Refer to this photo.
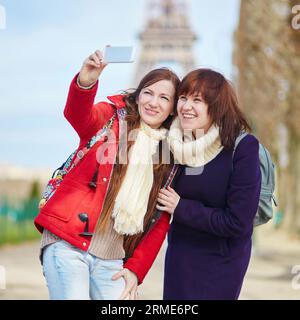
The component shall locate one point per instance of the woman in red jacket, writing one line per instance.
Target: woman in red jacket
(100, 211)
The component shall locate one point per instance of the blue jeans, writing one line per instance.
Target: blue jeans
(74, 274)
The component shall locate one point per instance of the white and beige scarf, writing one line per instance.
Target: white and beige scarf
(132, 199)
(190, 151)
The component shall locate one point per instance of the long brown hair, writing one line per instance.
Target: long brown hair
(218, 93)
(160, 170)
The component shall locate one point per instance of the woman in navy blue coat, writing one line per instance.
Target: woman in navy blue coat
(214, 197)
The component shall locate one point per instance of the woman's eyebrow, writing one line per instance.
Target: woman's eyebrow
(197, 95)
(165, 94)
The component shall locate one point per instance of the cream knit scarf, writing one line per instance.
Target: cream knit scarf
(194, 152)
(132, 199)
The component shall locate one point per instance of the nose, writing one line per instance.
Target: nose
(154, 102)
(187, 106)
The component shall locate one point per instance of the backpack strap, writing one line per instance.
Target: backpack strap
(238, 140)
(101, 133)
(77, 156)
(241, 136)
(59, 174)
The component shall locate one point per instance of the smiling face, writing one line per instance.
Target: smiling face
(155, 103)
(193, 112)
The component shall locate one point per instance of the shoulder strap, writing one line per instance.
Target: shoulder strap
(99, 134)
(77, 156)
(81, 153)
(171, 176)
(242, 135)
(238, 140)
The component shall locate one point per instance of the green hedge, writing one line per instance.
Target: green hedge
(16, 223)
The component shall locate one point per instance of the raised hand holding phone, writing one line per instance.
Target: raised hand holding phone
(91, 69)
(93, 66)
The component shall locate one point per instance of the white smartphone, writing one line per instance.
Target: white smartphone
(116, 54)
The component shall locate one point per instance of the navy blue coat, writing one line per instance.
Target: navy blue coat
(209, 242)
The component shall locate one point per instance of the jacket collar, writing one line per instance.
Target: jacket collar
(118, 100)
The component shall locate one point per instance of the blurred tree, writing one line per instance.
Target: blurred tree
(293, 116)
(267, 61)
(34, 191)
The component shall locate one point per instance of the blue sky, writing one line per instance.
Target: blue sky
(43, 46)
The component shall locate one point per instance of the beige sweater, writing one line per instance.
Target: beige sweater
(104, 245)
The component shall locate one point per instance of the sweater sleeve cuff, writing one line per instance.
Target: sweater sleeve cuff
(147, 250)
(78, 97)
(92, 89)
(133, 268)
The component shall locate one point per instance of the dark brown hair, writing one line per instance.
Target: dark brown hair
(218, 93)
(160, 170)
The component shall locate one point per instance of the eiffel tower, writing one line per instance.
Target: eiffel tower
(167, 40)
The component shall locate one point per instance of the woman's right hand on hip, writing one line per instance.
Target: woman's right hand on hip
(91, 69)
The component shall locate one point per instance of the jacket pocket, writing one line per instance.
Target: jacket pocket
(65, 200)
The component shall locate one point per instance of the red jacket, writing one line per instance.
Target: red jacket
(74, 196)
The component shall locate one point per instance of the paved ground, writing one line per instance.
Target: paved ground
(269, 276)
